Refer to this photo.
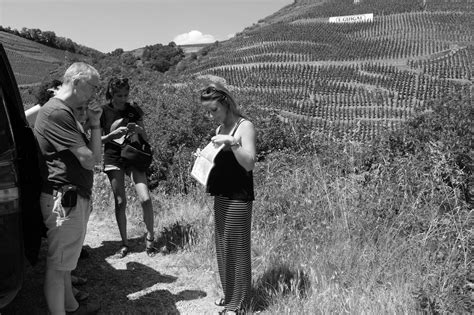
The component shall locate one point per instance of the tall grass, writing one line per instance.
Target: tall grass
(372, 246)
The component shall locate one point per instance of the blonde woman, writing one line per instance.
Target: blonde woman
(231, 184)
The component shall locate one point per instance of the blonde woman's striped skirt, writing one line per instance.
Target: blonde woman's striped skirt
(233, 222)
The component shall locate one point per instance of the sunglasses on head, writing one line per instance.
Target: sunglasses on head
(211, 91)
(120, 82)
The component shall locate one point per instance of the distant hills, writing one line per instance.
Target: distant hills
(360, 78)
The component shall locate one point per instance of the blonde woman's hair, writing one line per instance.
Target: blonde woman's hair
(216, 91)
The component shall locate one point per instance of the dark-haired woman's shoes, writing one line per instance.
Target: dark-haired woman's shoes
(123, 251)
(150, 248)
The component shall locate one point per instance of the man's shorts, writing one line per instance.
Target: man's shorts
(66, 230)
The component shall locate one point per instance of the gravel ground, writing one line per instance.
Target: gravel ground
(136, 284)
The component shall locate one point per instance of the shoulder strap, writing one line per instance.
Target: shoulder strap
(236, 126)
(138, 111)
(232, 132)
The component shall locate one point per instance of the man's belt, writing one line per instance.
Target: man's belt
(55, 190)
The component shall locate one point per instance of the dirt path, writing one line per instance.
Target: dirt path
(136, 284)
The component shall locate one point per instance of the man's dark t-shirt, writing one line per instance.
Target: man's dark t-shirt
(57, 131)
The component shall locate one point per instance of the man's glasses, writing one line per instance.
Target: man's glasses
(95, 87)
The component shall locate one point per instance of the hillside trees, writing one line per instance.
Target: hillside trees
(160, 58)
(116, 52)
(50, 39)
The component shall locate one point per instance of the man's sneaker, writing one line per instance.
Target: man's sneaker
(76, 280)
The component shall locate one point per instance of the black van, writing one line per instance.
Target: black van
(20, 215)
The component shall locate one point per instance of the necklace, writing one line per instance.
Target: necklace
(233, 126)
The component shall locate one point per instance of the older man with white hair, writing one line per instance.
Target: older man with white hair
(69, 158)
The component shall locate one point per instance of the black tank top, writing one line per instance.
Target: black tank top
(131, 113)
(228, 178)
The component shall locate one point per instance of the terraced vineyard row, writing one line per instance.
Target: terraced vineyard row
(458, 5)
(29, 70)
(318, 8)
(457, 64)
(389, 37)
(342, 96)
(348, 7)
(406, 84)
(339, 94)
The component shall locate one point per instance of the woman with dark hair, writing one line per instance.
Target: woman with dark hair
(45, 91)
(120, 118)
(231, 184)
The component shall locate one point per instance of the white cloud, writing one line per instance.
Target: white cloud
(229, 36)
(194, 37)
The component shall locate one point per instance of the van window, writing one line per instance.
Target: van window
(9, 194)
(6, 135)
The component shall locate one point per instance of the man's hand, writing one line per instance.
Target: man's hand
(94, 111)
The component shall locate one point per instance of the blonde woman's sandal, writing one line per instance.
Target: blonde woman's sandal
(219, 302)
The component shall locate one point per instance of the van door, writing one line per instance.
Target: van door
(11, 244)
(21, 224)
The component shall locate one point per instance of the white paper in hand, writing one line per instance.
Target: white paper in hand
(119, 140)
(205, 162)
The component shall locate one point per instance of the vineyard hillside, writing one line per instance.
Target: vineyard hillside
(33, 63)
(358, 78)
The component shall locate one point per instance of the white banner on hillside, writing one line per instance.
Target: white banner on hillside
(352, 18)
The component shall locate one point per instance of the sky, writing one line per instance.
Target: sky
(129, 24)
